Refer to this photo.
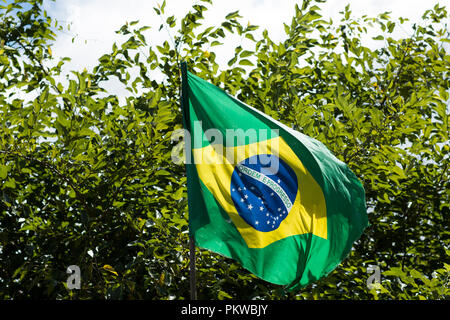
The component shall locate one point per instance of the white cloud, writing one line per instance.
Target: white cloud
(93, 22)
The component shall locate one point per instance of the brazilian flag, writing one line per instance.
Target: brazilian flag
(272, 198)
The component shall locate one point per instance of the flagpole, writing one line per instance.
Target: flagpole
(185, 108)
(193, 280)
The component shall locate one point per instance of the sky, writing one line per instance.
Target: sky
(93, 22)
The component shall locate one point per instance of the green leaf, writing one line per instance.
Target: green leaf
(72, 193)
(416, 274)
(62, 118)
(3, 171)
(110, 269)
(216, 43)
(223, 295)
(395, 271)
(118, 204)
(447, 267)
(233, 15)
(87, 132)
(245, 62)
(245, 54)
(10, 183)
(178, 194)
(250, 36)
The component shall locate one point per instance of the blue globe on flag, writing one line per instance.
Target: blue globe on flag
(263, 198)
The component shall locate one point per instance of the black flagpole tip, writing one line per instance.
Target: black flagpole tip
(183, 64)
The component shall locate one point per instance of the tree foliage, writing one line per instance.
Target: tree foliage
(86, 180)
